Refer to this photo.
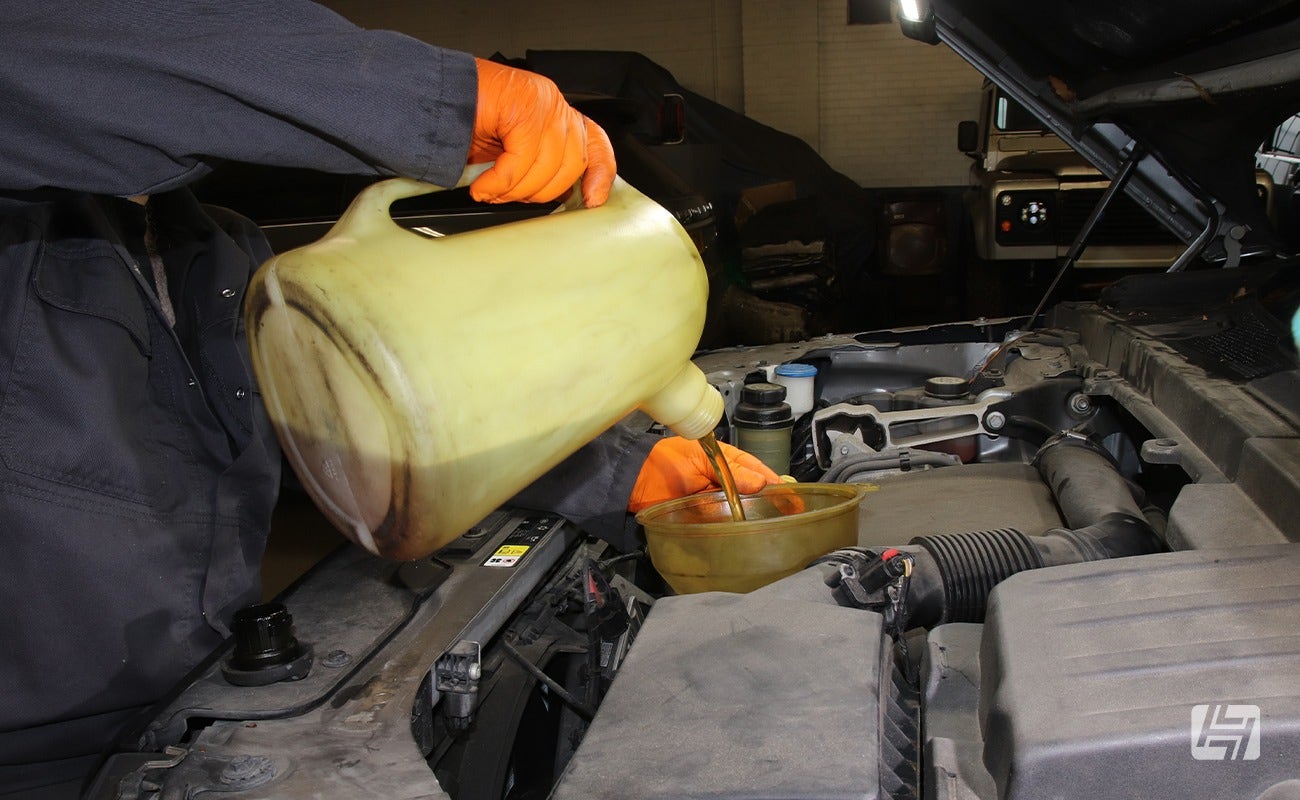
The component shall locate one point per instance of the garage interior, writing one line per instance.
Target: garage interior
(880, 110)
(878, 113)
(1073, 491)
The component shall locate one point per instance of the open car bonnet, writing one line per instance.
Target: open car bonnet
(1188, 89)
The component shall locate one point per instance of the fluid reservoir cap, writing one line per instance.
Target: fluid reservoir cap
(761, 405)
(762, 394)
(947, 387)
(796, 371)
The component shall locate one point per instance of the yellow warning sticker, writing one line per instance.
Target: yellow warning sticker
(507, 555)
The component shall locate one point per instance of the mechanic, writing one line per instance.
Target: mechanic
(138, 470)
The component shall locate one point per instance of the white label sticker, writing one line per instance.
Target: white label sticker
(507, 555)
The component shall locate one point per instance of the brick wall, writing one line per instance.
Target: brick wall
(880, 108)
(780, 46)
(890, 105)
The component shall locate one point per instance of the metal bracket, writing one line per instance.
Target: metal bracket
(182, 773)
(455, 677)
(907, 428)
(142, 781)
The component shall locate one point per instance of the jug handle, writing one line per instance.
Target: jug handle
(369, 213)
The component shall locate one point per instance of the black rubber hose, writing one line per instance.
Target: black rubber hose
(1084, 481)
(1105, 519)
(954, 573)
(849, 466)
(971, 564)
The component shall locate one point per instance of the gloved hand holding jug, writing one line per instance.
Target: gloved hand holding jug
(540, 144)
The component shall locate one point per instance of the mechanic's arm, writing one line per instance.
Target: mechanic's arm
(625, 469)
(137, 97)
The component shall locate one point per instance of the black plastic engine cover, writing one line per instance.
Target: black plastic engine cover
(775, 693)
(1168, 676)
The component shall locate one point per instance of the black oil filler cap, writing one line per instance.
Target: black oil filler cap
(266, 650)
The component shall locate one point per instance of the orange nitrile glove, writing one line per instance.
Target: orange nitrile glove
(677, 467)
(540, 143)
(785, 500)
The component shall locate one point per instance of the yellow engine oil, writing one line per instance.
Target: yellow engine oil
(417, 383)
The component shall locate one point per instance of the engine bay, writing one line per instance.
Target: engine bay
(1074, 577)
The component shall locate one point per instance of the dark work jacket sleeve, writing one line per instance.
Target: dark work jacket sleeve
(129, 97)
(591, 488)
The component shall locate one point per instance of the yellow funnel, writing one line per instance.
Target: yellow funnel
(417, 383)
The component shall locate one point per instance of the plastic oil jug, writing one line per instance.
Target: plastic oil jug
(417, 383)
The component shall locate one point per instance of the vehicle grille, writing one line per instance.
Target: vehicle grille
(1125, 222)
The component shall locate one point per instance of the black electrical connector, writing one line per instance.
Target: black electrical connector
(456, 675)
(874, 581)
(610, 626)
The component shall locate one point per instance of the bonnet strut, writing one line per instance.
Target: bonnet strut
(1127, 168)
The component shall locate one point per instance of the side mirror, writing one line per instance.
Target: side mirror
(672, 119)
(968, 136)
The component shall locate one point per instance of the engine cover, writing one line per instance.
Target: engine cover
(1166, 676)
(775, 693)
